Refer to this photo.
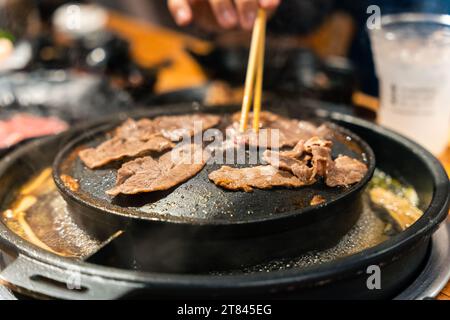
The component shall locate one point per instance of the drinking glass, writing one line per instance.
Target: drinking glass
(412, 61)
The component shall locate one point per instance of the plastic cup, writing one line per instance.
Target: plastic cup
(412, 60)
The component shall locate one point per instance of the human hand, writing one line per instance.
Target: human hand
(227, 13)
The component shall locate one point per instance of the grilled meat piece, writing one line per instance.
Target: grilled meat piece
(294, 161)
(176, 127)
(137, 138)
(345, 171)
(148, 174)
(321, 154)
(173, 128)
(118, 148)
(260, 177)
(265, 138)
(312, 159)
(142, 129)
(290, 131)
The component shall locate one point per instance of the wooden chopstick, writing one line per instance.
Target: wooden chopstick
(253, 62)
(259, 74)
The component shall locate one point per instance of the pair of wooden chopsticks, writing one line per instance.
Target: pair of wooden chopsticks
(255, 70)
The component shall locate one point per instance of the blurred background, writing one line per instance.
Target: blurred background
(72, 61)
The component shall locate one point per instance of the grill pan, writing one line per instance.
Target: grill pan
(206, 227)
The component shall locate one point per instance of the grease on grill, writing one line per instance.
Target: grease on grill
(70, 182)
(317, 199)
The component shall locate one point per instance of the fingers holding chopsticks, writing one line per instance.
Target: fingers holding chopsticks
(251, 14)
(227, 13)
(247, 10)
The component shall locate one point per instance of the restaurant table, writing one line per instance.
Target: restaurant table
(152, 44)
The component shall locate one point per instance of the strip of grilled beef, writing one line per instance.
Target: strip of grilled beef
(320, 151)
(118, 148)
(137, 138)
(173, 128)
(260, 177)
(142, 129)
(176, 127)
(312, 159)
(345, 171)
(290, 131)
(294, 161)
(148, 174)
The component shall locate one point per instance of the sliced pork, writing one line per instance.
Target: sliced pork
(260, 177)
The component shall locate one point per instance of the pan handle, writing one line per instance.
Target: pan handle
(43, 280)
